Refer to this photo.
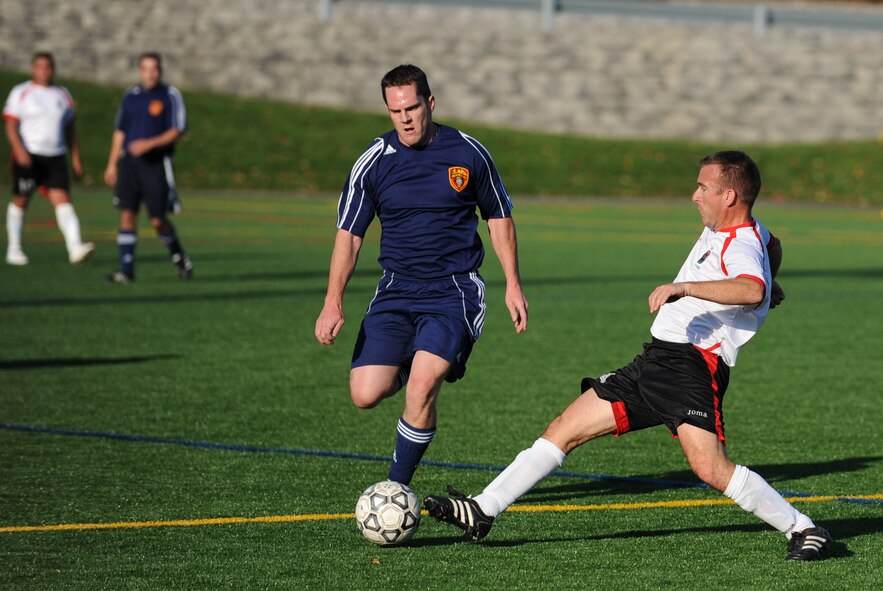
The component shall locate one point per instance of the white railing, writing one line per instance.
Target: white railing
(759, 15)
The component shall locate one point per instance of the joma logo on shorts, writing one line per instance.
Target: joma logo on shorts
(697, 413)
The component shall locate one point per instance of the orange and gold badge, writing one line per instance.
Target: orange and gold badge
(459, 177)
(155, 108)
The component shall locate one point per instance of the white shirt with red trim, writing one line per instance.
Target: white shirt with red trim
(740, 251)
(43, 113)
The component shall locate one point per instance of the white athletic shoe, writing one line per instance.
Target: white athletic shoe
(16, 257)
(81, 253)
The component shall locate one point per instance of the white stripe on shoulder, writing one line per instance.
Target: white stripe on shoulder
(496, 180)
(357, 174)
(179, 111)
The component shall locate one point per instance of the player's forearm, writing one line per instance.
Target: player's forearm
(344, 257)
(13, 137)
(116, 146)
(166, 138)
(740, 291)
(70, 136)
(505, 243)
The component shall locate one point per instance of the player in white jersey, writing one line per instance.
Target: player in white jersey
(717, 302)
(40, 128)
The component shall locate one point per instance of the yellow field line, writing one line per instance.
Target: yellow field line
(331, 516)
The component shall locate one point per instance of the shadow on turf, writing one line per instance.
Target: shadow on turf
(841, 529)
(849, 273)
(80, 361)
(686, 479)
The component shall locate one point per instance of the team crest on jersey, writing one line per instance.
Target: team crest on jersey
(459, 177)
(155, 108)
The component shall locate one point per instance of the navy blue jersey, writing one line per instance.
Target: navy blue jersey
(426, 200)
(148, 113)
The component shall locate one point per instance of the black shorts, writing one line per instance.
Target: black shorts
(146, 179)
(668, 384)
(45, 172)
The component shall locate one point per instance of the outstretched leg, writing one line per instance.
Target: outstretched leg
(708, 459)
(586, 418)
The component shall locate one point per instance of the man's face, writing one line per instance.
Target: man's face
(148, 71)
(41, 71)
(411, 114)
(711, 196)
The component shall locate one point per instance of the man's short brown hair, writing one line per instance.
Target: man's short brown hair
(738, 172)
(405, 75)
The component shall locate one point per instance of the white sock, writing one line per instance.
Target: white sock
(69, 224)
(526, 471)
(15, 220)
(755, 495)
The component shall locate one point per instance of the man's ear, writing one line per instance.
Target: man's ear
(731, 198)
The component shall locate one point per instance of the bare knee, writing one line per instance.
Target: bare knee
(565, 435)
(715, 472)
(159, 224)
(364, 397)
(127, 220)
(586, 418)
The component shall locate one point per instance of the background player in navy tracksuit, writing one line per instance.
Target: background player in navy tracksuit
(424, 181)
(151, 119)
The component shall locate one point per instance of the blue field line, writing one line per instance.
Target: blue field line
(239, 447)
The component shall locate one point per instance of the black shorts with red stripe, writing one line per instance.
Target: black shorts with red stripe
(668, 384)
(44, 173)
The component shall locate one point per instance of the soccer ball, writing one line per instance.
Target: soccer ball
(388, 513)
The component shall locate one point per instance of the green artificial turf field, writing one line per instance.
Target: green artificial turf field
(165, 401)
(248, 144)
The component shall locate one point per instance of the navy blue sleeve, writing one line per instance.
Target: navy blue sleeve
(493, 198)
(356, 208)
(122, 119)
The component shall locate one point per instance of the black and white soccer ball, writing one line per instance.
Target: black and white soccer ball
(388, 513)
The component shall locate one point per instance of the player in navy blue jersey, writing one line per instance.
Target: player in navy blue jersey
(424, 182)
(151, 119)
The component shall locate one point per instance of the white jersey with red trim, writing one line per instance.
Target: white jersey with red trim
(43, 113)
(740, 251)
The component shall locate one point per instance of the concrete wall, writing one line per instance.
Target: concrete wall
(603, 76)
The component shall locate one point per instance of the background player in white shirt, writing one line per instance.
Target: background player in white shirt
(718, 301)
(40, 128)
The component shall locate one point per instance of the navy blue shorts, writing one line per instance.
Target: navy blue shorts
(147, 179)
(442, 317)
(669, 384)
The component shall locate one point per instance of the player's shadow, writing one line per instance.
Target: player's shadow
(125, 299)
(14, 364)
(876, 273)
(841, 529)
(606, 485)
(283, 276)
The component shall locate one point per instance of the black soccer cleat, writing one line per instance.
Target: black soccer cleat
(460, 511)
(120, 277)
(809, 544)
(184, 266)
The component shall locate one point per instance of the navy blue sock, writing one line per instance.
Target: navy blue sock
(410, 445)
(170, 239)
(127, 240)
